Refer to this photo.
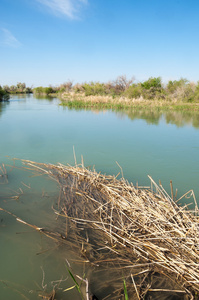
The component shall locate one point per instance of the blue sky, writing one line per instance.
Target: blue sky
(46, 42)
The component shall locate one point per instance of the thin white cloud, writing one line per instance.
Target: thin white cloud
(69, 8)
(8, 39)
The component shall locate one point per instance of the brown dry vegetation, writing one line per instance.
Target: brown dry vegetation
(123, 92)
(137, 233)
(73, 99)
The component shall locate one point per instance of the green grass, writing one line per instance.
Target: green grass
(89, 104)
(77, 286)
(76, 103)
(125, 291)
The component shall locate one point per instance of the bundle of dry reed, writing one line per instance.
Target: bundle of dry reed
(142, 230)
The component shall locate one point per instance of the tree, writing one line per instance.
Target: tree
(21, 87)
(122, 83)
(66, 86)
(152, 82)
(152, 88)
(3, 95)
(181, 90)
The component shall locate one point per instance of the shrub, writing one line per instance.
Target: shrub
(196, 94)
(3, 94)
(65, 87)
(134, 91)
(181, 90)
(38, 90)
(172, 86)
(20, 87)
(96, 88)
(152, 88)
(44, 90)
(48, 90)
(152, 82)
(78, 88)
(121, 84)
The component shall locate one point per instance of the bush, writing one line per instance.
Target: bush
(96, 88)
(152, 88)
(152, 82)
(172, 86)
(181, 90)
(134, 91)
(43, 90)
(78, 88)
(48, 90)
(20, 88)
(121, 84)
(65, 87)
(38, 90)
(3, 94)
(196, 94)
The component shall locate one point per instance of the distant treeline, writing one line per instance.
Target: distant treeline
(153, 88)
(20, 88)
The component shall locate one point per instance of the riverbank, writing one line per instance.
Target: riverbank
(80, 100)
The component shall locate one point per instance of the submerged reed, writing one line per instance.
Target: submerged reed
(141, 232)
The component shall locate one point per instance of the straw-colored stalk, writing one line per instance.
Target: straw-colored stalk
(139, 229)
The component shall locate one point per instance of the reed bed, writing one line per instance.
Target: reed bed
(141, 233)
(79, 100)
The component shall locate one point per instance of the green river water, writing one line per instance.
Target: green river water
(163, 145)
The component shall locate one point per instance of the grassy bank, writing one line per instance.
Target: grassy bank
(80, 100)
(123, 93)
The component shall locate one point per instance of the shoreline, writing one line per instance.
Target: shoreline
(79, 100)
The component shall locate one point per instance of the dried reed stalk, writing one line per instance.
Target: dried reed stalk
(115, 223)
(3, 175)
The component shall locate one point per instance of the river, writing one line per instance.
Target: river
(164, 145)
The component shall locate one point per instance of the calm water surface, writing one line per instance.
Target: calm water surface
(163, 145)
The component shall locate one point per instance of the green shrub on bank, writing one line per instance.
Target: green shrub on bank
(43, 90)
(152, 82)
(64, 87)
(134, 91)
(20, 88)
(182, 90)
(3, 94)
(94, 88)
(196, 95)
(152, 88)
(48, 90)
(112, 88)
(173, 86)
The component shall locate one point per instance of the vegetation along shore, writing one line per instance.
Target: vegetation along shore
(121, 93)
(20, 88)
(124, 93)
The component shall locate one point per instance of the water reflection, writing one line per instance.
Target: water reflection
(3, 106)
(151, 116)
(154, 116)
(20, 96)
(183, 118)
(44, 97)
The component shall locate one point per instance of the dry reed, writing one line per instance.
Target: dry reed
(107, 101)
(117, 225)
